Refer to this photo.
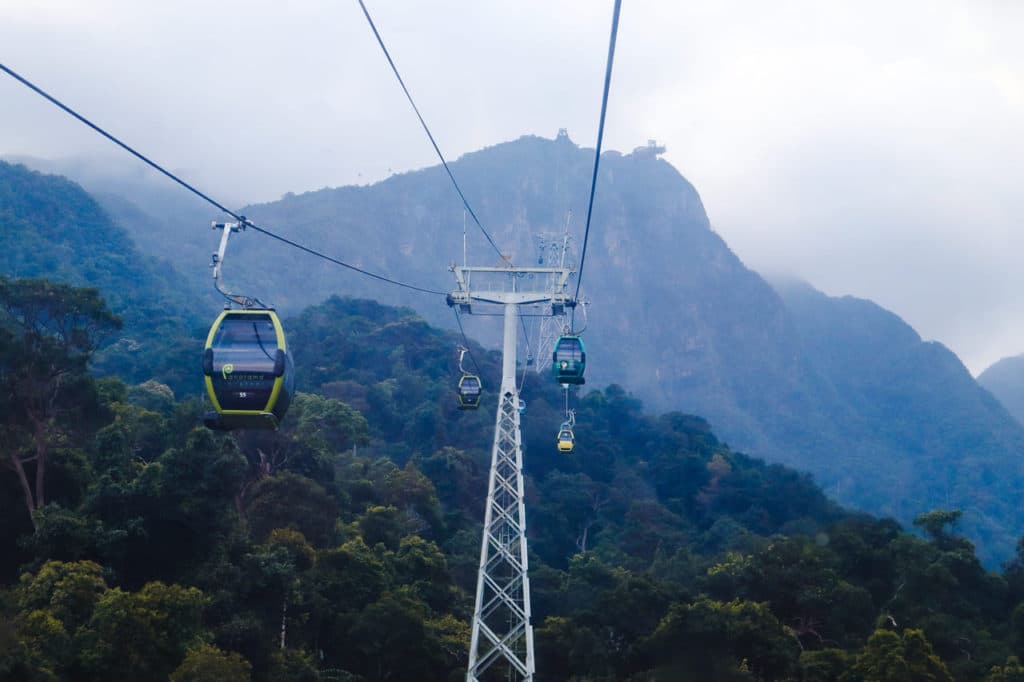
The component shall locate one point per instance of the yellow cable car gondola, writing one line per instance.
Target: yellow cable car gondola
(566, 440)
(248, 370)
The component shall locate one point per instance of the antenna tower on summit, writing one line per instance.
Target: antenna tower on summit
(502, 632)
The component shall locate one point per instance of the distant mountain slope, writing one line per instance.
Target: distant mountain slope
(165, 221)
(51, 228)
(847, 392)
(925, 433)
(843, 390)
(1005, 380)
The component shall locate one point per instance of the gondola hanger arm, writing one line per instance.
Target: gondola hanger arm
(217, 259)
(217, 262)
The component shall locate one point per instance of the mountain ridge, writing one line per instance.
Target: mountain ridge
(1005, 380)
(677, 317)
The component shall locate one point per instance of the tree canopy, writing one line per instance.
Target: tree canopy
(344, 546)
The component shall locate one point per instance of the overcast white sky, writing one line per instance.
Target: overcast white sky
(872, 148)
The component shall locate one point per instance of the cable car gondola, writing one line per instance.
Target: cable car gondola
(470, 386)
(248, 370)
(569, 360)
(566, 439)
(470, 389)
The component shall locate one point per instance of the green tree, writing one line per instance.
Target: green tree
(382, 525)
(934, 524)
(710, 639)
(288, 500)
(327, 424)
(421, 567)
(394, 641)
(343, 582)
(46, 641)
(185, 505)
(824, 665)
(412, 492)
(293, 665)
(1013, 671)
(153, 396)
(889, 657)
(209, 664)
(48, 332)
(274, 570)
(67, 591)
(566, 648)
(142, 635)
(573, 505)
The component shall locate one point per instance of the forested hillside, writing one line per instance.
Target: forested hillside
(138, 545)
(345, 545)
(884, 422)
(52, 228)
(934, 433)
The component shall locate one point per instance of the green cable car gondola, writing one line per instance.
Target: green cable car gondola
(570, 359)
(248, 370)
(470, 389)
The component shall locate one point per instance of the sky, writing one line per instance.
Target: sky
(872, 148)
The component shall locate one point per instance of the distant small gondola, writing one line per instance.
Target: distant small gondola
(570, 360)
(470, 389)
(566, 440)
(248, 370)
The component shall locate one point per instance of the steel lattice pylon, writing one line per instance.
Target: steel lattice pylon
(502, 632)
(501, 623)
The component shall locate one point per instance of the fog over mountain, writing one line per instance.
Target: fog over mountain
(870, 148)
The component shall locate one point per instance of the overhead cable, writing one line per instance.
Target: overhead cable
(241, 219)
(380, 41)
(529, 354)
(600, 136)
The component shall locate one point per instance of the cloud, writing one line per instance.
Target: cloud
(873, 148)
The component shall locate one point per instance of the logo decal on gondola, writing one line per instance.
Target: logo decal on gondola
(227, 369)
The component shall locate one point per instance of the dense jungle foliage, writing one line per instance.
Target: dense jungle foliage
(139, 546)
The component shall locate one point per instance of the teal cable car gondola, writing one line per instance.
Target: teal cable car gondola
(569, 360)
(248, 370)
(470, 389)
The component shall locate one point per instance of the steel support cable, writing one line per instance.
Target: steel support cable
(451, 176)
(597, 152)
(529, 354)
(465, 341)
(354, 268)
(241, 219)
